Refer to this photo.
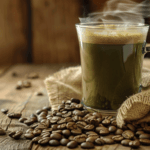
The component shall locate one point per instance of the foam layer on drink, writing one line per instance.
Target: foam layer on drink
(112, 35)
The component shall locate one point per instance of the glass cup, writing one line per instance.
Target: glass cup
(111, 60)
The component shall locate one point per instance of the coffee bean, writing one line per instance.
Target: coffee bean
(29, 121)
(145, 141)
(64, 141)
(112, 129)
(114, 123)
(61, 121)
(34, 125)
(119, 132)
(89, 127)
(14, 115)
(44, 140)
(99, 120)
(37, 132)
(91, 132)
(108, 117)
(72, 144)
(99, 141)
(29, 135)
(54, 142)
(59, 114)
(94, 122)
(98, 115)
(74, 100)
(26, 84)
(29, 131)
(106, 122)
(12, 133)
(81, 124)
(67, 114)
(69, 108)
(131, 127)
(68, 119)
(2, 132)
(104, 131)
(147, 129)
(93, 136)
(39, 111)
(36, 139)
(77, 131)
(128, 134)
(56, 136)
(39, 93)
(33, 116)
(57, 131)
(77, 118)
(66, 132)
(22, 119)
(117, 138)
(139, 133)
(144, 136)
(88, 115)
(18, 87)
(78, 113)
(71, 125)
(97, 129)
(14, 74)
(32, 75)
(125, 142)
(17, 134)
(108, 140)
(4, 110)
(54, 127)
(61, 126)
(41, 126)
(80, 138)
(79, 106)
(87, 145)
(61, 107)
(134, 144)
(71, 138)
(47, 130)
(91, 139)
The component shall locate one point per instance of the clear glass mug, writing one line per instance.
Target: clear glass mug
(111, 60)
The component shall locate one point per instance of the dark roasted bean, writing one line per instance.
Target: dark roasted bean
(71, 125)
(76, 131)
(106, 122)
(128, 134)
(79, 106)
(147, 129)
(14, 115)
(93, 136)
(61, 126)
(81, 124)
(78, 113)
(87, 145)
(131, 127)
(99, 141)
(119, 132)
(29, 135)
(74, 100)
(89, 127)
(54, 127)
(71, 138)
(77, 118)
(80, 138)
(98, 115)
(36, 139)
(37, 132)
(44, 140)
(2, 132)
(56, 136)
(91, 139)
(145, 141)
(139, 132)
(22, 119)
(72, 144)
(112, 129)
(29, 130)
(54, 142)
(94, 122)
(66, 132)
(104, 131)
(108, 140)
(134, 144)
(17, 134)
(64, 141)
(125, 142)
(117, 138)
(47, 108)
(67, 114)
(144, 136)
(57, 131)
(12, 133)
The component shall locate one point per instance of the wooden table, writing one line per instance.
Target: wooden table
(26, 102)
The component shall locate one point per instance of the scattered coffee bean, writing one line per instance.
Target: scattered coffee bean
(14, 74)
(12, 133)
(64, 141)
(79, 138)
(108, 140)
(125, 142)
(117, 138)
(44, 140)
(26, 84)
(22, 119)
(66, 133)
(145, 141)
(131, 127)
(128, 134)
(112, 129)
(89, 127)
(71, 125)
(32, 75)
(56, 136)
(139, 133)
(87, 145)
(99, 141)
(54, 142)
(39, 94)
(29, 135)
(134, 144)
(76, 131)
(144, 136)
(17, 134)
(147, 129)
(81, 124)
(72, 144)
(14, 115)
(119, 132)
(106, 122)
(36, 139)
(37, 132)
(91, 139)
(104, 131)
(4, 110)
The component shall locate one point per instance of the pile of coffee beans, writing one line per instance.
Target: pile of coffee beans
(72, 125)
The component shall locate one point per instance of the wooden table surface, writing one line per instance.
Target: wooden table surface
(26, 102)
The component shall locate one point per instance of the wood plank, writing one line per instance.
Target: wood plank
(14, 31)
(54, 33)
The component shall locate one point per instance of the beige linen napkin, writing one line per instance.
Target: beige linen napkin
(67, 83)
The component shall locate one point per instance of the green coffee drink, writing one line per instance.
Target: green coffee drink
(111, 62)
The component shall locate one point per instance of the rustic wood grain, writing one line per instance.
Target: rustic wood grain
(13, 31)
(26, 102)
(54, 33)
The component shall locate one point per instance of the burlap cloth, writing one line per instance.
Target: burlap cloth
(66, 84)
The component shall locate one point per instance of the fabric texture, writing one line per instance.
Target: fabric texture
(67, 83)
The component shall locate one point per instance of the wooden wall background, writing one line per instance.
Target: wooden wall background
(42, 31)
